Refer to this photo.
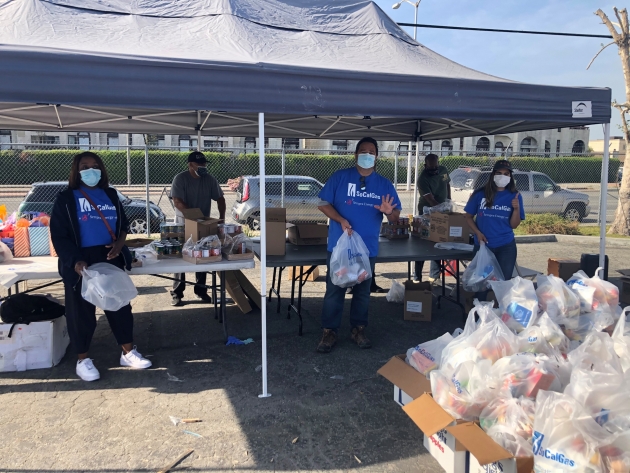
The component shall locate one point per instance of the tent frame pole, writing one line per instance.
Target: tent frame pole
(198, 130)
(603, 200)
(263, 251)
(146, 179)
(414, 204)
(283, 175)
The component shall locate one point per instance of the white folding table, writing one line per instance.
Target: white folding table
(45, 268)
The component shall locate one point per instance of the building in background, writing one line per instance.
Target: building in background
(617, 148)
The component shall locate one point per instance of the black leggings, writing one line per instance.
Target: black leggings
(80, 314)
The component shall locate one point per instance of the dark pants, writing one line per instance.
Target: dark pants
(434, 271)
(80, 314)
(506, 257)
(332, 310)
(180, 286)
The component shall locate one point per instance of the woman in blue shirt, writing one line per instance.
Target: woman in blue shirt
(81, 238)
(493, 213)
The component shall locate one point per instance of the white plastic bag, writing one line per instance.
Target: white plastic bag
(426, 356)
(596, 353)
(510, 423)
(107, 287)
(445, 208)
(517, 300)
(452, 245)
(621, 339)
(5, 253)
(543, 336)
(596, 295)
(562, 440)
(524, 374)
(147, 255)
(396, 293)
(481, 270)
(350, 261)
(555, 298)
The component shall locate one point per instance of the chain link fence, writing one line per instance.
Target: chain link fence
(31, 176)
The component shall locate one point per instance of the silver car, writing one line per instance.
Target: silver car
(539, 193)
(300, 199)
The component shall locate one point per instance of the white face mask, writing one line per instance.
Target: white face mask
(502, 181)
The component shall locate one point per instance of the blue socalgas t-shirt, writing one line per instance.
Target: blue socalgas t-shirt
(343, 192)
(92, 228)
(494, 223)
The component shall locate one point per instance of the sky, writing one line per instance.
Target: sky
(534, 59)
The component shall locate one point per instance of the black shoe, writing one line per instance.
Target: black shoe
(377, 289)
(204, 297)
(176, 300)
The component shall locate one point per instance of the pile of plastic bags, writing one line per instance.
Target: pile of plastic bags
(546, 374)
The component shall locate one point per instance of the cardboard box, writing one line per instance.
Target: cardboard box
(449, 227)
(509, 465)
(199, 226)
(447, 451)
(236, 292)
(308, 234)
(34, 346)
(276, 231)
(248, 288)
(311, 277)
(418, 301)
(624, 289)
(562, 268)
(209, 259)
(431, 419)
(138, 242)
(238, 256)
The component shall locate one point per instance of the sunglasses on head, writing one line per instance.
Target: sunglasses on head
(362, 180)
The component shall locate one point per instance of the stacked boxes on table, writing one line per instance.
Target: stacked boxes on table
(396, 230)
(441, 227)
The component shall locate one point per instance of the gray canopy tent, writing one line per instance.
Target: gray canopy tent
(280, 68)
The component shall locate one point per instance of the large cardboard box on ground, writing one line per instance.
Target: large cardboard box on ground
(308, 234)
(562, 268)
(431, 419)
(418, 301)
(311, 277)
(449, 227)
(248, 288)
(624, 290)
(197, 225)
(236, 292)
(33, 346)
(276, 231)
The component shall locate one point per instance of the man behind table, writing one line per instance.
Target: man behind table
(355, 200)
(191, 189)
(434, 189)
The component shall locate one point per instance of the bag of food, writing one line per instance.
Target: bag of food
(621, 339)
(555, 298)
(107, 287)
(599, 295)
(211, 246)
(241, 244)
(597, 353)
(5, 253)
(510, 422)
(482, 269)
(146, 254)
(524, 374)
(188, 247)
(543, 336)
(396, 293)
(426, 356)
(517, 300)
(350, 261)
(562, 440)
(444, 208)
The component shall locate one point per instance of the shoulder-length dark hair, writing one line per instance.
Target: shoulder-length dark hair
(74, 182)
(490, 189)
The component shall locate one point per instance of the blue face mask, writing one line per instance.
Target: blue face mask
(366, 160)
(90, 177)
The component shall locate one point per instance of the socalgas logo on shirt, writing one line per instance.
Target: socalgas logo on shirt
(85, 206)
(482, 206)
(352, 192)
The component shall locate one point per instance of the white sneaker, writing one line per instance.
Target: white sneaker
(87, 371)
(135, 360)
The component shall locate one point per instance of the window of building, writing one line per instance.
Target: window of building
(213, 144)
(483, 144)
(186, 143)
(557, 146)
(461, 143)
(446, 147)
(5, 139)
(291, 143)
(44, 140)
(499, 147)
(81, 140)
(340, 145)
(250, 142)
(403, 147)
(547, 147)
(529, 145)
(578, 147)
(158, 141)
(112, 140)
(427, 146)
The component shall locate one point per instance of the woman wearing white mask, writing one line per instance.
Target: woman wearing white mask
(493, 212)
(355, 199)
(87, 226)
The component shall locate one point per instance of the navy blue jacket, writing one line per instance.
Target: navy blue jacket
(65, 236)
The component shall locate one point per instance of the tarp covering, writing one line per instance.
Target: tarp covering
(316, 68)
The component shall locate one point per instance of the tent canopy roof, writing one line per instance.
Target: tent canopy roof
(318, 70)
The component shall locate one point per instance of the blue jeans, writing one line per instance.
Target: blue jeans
(332, 310)
(506, 257)
(434, 270)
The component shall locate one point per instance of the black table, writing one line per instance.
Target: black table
(389, 251)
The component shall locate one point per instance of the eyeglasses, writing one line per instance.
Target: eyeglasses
(362, 183)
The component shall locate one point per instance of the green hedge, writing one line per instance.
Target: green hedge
(25, 167)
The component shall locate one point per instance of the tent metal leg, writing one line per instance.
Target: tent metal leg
(603, 200)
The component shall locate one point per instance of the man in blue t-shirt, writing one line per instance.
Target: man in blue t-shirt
(355, 200)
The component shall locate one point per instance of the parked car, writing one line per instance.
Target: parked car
(42, 196)
(300, 199)
(540, 194)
